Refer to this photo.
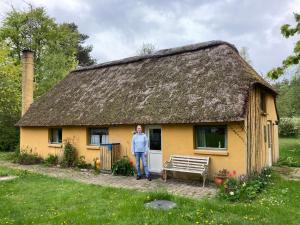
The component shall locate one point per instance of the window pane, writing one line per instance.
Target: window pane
(95, 139)
(98, 136)
(211, 137)
(155, 139)
(56, 135)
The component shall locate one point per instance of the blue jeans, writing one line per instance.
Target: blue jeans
(138, 156)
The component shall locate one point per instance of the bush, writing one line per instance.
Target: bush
(9, 134)
(123, 167)
(245, 188)
(28, 158)
(81, 163)
(51, 160)
(70, 155)
(288, 127)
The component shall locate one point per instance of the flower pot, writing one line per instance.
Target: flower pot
(219, 180)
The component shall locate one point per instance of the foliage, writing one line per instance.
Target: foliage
(69, 156)
(123, 167)
(288, 31)
(245, 188)
(51, 160)
(83, 52)
(146, 49)
(289, 154)
(10, 100)
(288, 103)
(223, 173)
(56, 46)
(82, 164)
(288, 127)
(26, 157)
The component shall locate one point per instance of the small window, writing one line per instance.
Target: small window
(211, 137)
(98, 136)
(55, 135)
(263, 102)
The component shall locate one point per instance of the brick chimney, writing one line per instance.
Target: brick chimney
(27, 80)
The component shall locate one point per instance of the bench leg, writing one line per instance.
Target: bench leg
(204, 179)
(165, 171)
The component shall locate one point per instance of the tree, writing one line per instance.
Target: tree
(288, 103)
(288, 31)
(83, 52)
(56, 46)
(146, 49)
(245, 55)
(10, 99)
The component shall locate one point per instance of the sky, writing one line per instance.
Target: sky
(117, 29)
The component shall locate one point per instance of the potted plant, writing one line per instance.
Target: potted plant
(221, 176)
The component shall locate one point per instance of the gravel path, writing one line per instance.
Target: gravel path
(182, 188)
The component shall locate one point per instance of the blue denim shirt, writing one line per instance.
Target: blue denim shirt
(139, 143)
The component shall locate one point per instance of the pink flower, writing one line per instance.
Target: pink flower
(234, 172)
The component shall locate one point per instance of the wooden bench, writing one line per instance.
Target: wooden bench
(187, 164)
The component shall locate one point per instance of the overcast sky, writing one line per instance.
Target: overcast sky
(118, 28)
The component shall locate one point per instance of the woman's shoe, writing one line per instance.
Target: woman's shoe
(149, 178)
(138, 177)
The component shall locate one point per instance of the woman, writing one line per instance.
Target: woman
(139, 149)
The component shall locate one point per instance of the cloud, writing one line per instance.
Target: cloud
(118, 28)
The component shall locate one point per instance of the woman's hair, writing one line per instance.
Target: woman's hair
(139, 125)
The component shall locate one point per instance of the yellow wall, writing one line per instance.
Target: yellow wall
(176, 139)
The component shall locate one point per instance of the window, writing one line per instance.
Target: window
(55, 135)
(263, 102)
(211, 137)
(155, 139)
(98, 136)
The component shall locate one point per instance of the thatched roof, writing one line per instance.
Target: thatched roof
(206, 82)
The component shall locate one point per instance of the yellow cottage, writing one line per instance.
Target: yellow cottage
(200, 100)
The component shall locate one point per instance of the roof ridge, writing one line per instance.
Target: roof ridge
(160, 53)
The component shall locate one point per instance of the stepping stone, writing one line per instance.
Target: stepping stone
(8, 178)
(161, 204)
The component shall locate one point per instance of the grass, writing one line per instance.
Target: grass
(289, 154)
(7, 155)
(39, 199)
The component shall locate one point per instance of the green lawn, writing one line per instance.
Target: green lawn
(289, 151)
(38, 199)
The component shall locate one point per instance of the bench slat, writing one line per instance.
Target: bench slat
(182, 170)
(188, 163)
(190, 160)
(188, 168)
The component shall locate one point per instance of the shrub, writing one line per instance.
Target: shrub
(123, 167)
(51, 160)
(81, 163)
(245, 188)
(69, 157)
(28, 158)
(9, 134)
(288, 127)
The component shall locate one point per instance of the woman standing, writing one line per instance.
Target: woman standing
(139, 149)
